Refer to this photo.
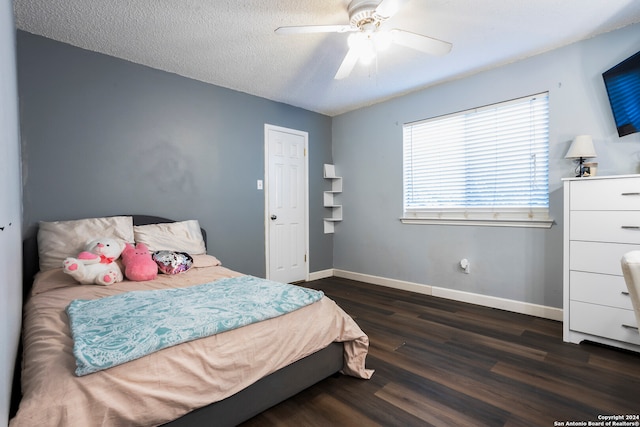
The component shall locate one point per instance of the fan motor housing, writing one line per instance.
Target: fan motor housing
(362, 12)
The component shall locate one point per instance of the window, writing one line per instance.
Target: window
(486, 166)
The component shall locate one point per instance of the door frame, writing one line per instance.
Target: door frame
(305, 135)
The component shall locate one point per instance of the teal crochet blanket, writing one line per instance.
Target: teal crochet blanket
(117, 329)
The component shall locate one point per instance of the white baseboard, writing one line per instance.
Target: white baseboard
(383, 281)
(322, 274)
(545, 312)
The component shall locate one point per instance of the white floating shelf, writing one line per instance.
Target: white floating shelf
(329, 200)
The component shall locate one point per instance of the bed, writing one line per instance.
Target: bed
(222, 379)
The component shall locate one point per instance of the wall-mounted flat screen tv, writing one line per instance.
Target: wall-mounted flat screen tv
(623, 87)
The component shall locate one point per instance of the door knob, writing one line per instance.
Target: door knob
(273, 217)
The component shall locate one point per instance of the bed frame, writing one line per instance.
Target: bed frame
(235, 409)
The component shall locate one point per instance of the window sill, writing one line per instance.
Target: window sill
(522, 223)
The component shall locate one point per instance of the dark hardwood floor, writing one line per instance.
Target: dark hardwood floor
(445, 363)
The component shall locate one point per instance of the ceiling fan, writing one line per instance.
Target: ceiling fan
(368, 38)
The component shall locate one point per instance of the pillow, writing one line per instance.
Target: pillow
(202, 261)
(184, 236)
(170, 262)
(58, 240)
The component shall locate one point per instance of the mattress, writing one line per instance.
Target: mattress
(169, 383)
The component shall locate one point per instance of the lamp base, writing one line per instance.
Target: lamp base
(582, 170)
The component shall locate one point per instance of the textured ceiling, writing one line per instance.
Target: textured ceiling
(231, 43)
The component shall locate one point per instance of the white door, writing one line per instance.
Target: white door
(286, 204)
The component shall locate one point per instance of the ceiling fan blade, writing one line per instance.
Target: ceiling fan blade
(347, 65)
(387, 8)
(306, 29)
(419, 42)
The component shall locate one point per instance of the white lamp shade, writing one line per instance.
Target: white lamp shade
(582, 146)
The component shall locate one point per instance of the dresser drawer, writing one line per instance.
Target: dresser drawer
(598, 257)
(605, 226)
(602, 289)
(603, 321)
(605, 194)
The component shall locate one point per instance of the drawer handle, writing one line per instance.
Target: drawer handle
(625, 293)
(631, 194)
(630, 227)
(629, 327)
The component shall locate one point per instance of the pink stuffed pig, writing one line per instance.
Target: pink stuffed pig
(138, 264)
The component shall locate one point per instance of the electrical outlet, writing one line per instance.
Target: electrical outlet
(259, 184)
(465, 265)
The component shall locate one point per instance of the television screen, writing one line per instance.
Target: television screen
(623, 87)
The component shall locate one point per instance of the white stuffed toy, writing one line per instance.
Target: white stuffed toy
(97, 263)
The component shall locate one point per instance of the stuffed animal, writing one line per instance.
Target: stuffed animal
(138, 263)
(97, 263)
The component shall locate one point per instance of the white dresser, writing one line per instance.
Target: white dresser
(601, 223)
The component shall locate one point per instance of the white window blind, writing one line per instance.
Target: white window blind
(489, 163)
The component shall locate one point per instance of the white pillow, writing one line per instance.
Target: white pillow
(184, 236)
(202, 261)
(58, 240)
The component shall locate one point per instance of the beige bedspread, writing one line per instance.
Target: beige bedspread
(172, 382)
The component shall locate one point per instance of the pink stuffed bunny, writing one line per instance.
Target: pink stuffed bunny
(138, 264)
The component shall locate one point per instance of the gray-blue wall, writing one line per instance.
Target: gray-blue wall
(103, 136)
(518, 264)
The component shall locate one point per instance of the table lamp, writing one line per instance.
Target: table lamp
(581, 148)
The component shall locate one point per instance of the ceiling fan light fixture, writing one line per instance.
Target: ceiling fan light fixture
(368, 54)
(364, 47)
(354, 40)
(382, 40)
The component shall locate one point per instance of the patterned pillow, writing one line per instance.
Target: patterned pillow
(171, 262)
